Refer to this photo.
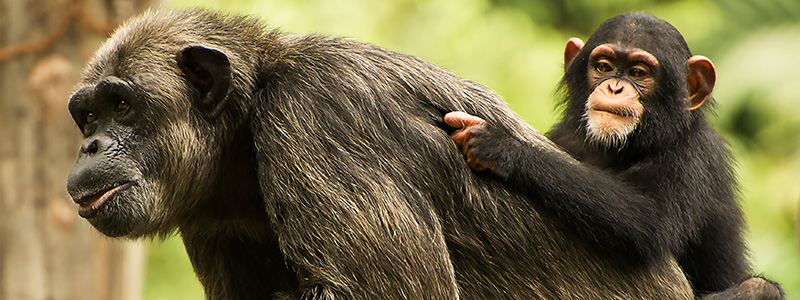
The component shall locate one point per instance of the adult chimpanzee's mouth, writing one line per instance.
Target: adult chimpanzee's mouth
(90, 205)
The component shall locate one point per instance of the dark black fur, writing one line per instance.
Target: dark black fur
(315, 167)
(668, 191)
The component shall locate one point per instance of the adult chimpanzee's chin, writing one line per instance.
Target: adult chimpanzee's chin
(111, 224)
(112, 209)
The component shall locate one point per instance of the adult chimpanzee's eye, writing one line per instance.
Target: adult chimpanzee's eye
(90, 117)
(122, 105)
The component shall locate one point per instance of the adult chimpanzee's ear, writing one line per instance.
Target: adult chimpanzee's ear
(209, 72)
(574, 45)
(701, 79)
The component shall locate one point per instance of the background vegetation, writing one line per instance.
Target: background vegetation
(515, 47)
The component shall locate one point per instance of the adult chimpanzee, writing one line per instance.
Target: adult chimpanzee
(314, 167)
(654, 179)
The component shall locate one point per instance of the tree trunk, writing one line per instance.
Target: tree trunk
(46, 250)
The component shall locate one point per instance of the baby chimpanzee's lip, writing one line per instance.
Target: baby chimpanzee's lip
(618, 112)
(90, 205)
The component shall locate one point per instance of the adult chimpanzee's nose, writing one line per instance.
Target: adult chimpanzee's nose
(89, 146)
(92, 145)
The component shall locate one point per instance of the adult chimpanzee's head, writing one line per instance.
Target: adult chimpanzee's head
(635, 82)
(154, 112)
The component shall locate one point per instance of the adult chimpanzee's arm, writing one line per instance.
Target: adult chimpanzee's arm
(618, 218)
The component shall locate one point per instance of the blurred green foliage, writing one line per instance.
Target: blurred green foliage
(515, 47)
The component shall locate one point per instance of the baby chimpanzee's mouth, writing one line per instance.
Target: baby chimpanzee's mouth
(618, 110)
(615, 111)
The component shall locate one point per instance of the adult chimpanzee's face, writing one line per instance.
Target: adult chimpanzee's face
(106, 180)
(152, 136)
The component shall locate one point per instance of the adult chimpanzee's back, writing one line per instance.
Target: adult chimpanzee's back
(315, 167)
